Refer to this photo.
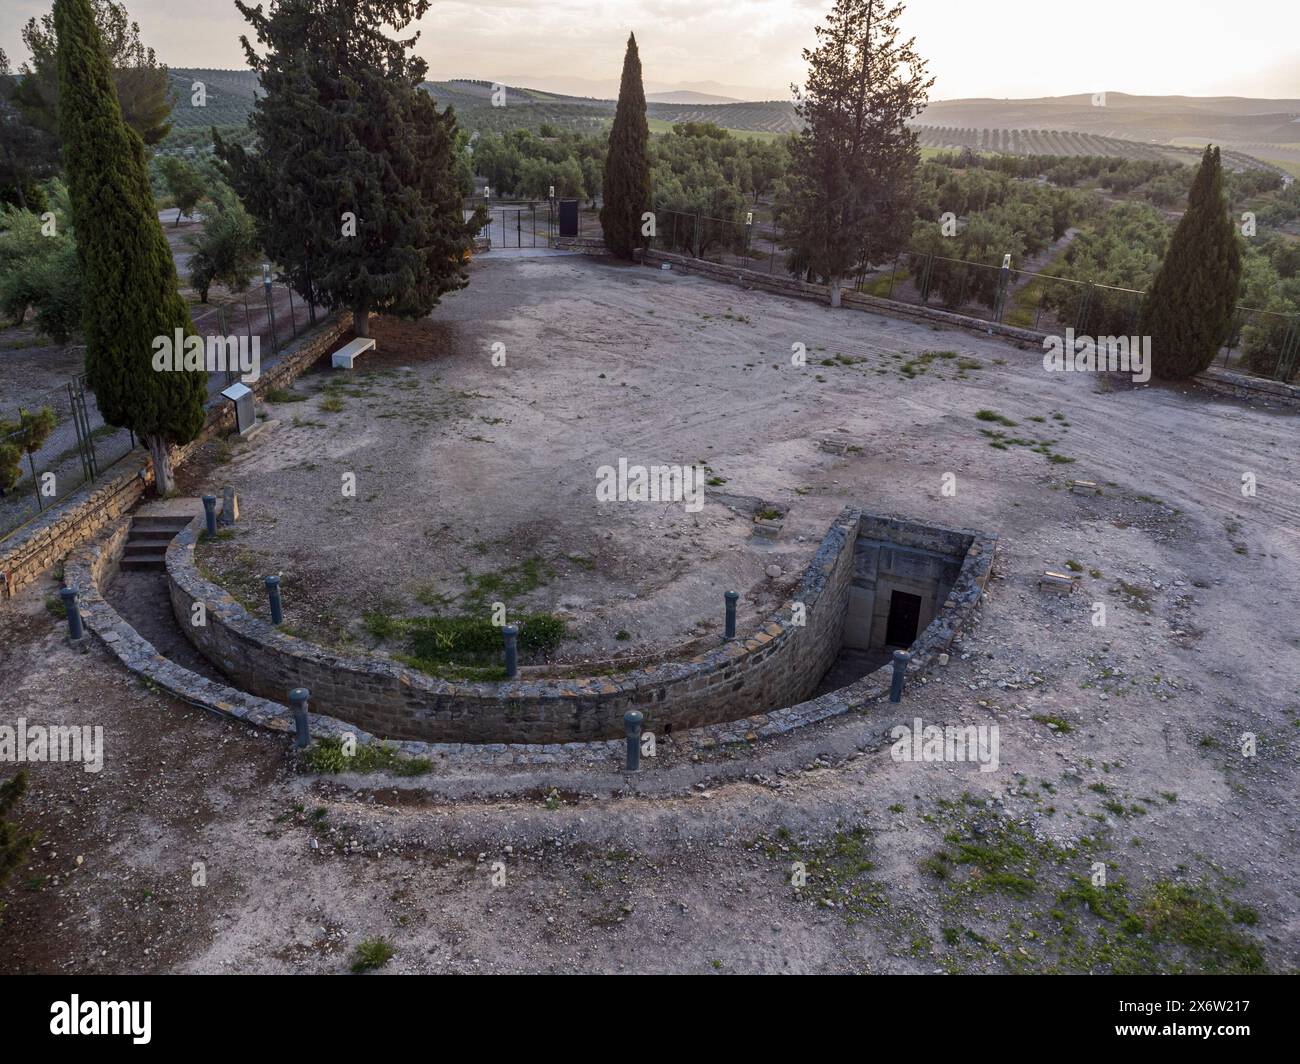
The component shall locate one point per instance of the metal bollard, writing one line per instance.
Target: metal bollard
(273, 591)
(732, 598)
(901, 658)
(69, 596)
(298, 706)
(632, 728)
(210, 514)
(510, 633)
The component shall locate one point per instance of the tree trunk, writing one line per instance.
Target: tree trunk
(160, 454)
(835, 291)
(361, 319)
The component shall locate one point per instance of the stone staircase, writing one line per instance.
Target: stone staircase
(146, 543)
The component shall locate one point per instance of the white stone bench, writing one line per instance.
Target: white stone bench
(346, 355)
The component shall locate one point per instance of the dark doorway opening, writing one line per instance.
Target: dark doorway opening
(904, 614)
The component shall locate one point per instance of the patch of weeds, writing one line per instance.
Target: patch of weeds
(1073, 566)
(55, 607)
(838, 874)
(331, 404)
(381, 625)
(284, 395)
(938, 865)
(1047, 720)
(622, 635)
(440, 645)
(994, 416)
(371, 953)
(327, 757)
(1137, 598)
(1001, 857)
(512, 582)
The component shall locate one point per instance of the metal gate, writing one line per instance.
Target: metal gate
(520, 227)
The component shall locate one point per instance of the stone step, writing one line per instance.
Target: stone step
(160, 538)
(137, 562)
(134, 549)
(159, 524)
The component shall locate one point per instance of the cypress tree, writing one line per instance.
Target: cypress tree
(130, 277)
(1188, 311)
(354, 182)
(627, 163)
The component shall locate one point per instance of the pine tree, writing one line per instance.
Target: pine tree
(130, 278)
(1188, 311)
(143, 85)
(627, 163)
(848, 201)
(354, 180)
(28, 153)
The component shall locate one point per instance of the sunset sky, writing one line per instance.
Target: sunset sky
(751, 48)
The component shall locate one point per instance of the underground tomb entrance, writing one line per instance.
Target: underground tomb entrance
(903, 573)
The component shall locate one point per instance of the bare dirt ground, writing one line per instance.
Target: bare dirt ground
(1121, 745)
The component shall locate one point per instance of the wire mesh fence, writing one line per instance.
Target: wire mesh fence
(273, 314)
(50, 447)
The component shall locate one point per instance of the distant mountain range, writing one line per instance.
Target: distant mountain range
(1267, 129)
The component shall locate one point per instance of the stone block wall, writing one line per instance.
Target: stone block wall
(777, 666)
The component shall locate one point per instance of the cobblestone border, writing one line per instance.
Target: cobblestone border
(92, 564)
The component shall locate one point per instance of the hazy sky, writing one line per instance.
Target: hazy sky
(751, 48)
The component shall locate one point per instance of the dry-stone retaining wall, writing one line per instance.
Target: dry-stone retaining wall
(92, 565)
(779, 665)
(774, 668)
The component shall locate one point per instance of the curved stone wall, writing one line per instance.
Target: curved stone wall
(777, 666)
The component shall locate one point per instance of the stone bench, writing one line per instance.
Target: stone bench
(1054, 581)
(346, 355)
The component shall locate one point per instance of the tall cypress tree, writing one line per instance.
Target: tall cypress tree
(130, 278)
(1188, 311)
(627, 164)
(353, 181)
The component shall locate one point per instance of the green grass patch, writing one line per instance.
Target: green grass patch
(995, 417)
(284, 395)
(327, 757)
(371, 953)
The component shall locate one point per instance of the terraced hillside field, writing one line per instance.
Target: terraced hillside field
(1069, 143)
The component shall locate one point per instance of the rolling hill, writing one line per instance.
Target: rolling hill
(1125, 125)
